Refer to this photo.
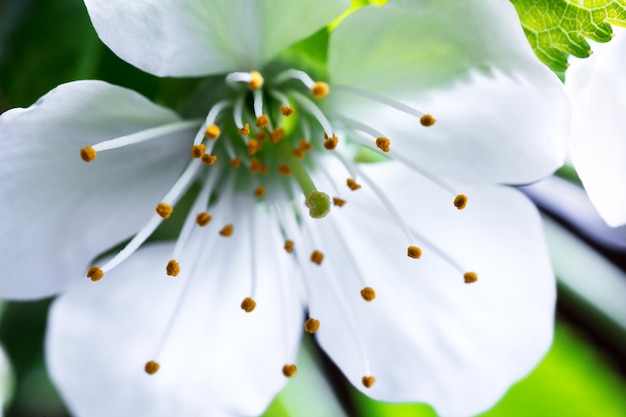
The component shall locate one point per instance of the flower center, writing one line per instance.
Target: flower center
(265, 138)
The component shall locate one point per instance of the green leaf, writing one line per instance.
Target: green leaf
(558, 28)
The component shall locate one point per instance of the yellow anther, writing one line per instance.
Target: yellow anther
(203, 219)
(470, 277)
(164, 210)
(427, 120)
(95, 273)
(331, 143)
(88, 154)
(286, 110)
(383, 144)
(305, 145)
(320, 89)
(460, 201)
(235, 162)
(338, 202)
(212, 132)
(248, 305)
(245, 130)
(277, 135)
(152, 367)
(298, 153)
(256, 166)
(368, 293)
(352, 184)
(311, 325)
(172, 268)
(289, 246)
(317, 257)
(284, 170)
(208, 159)
(198, 150)
(262, 121)
(368, 381)
(414, 252)
(256, 81)
(259, 192)
(290, 370)
(253, 145)
(261, 136)
(264, 169)
(227, 230)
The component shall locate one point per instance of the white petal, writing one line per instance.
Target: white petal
(428, 336)
(59, 212)
(217, 360)
(502, 116)
(191, 38)
(598, 143)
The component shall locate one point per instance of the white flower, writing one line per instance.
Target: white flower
(597, 89)
(400, 328)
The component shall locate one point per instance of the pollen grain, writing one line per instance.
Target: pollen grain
(227, 230)
(173, 268)
(352, 184)
(460, 201)
(164, 210)
(88, 154)
(289, 246)
(317, 257)
(414, 252)
(203, 219)
(95, 273)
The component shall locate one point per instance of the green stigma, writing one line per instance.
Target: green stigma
(318, 204)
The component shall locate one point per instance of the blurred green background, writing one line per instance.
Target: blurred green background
(44, 43)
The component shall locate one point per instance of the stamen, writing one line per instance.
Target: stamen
(352, 184)
(198, 150)
(330, 143)
(289, 246)
(470, 277)
(208, 159)
(245, 130)
(312, 109)
(277, 135)
(259, 192)
(235, 162)
(227, 231)
(138, 137)
(368, 381)
(317, 257)
(381, 99)
(95, 273)
(414, 252)
(172, 268)
(368, 294)
(212, 132)
(258, 107)
(181, 185)
(210, 120)
(152, 367)
(253, 78)
(320, 90)
(305, 145)
(88, 154)
(284, 170)
(338, 202)
(311, 325)
(460, 201)
(256, 80)
(262, 121)
(248, 305)
(289, 370)
(261, 136)
(286, 110)
(253, 146)
(383, 144)
(164, 210)
(256, 166)
(427, 120)
(203, 219)
(298, 153)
